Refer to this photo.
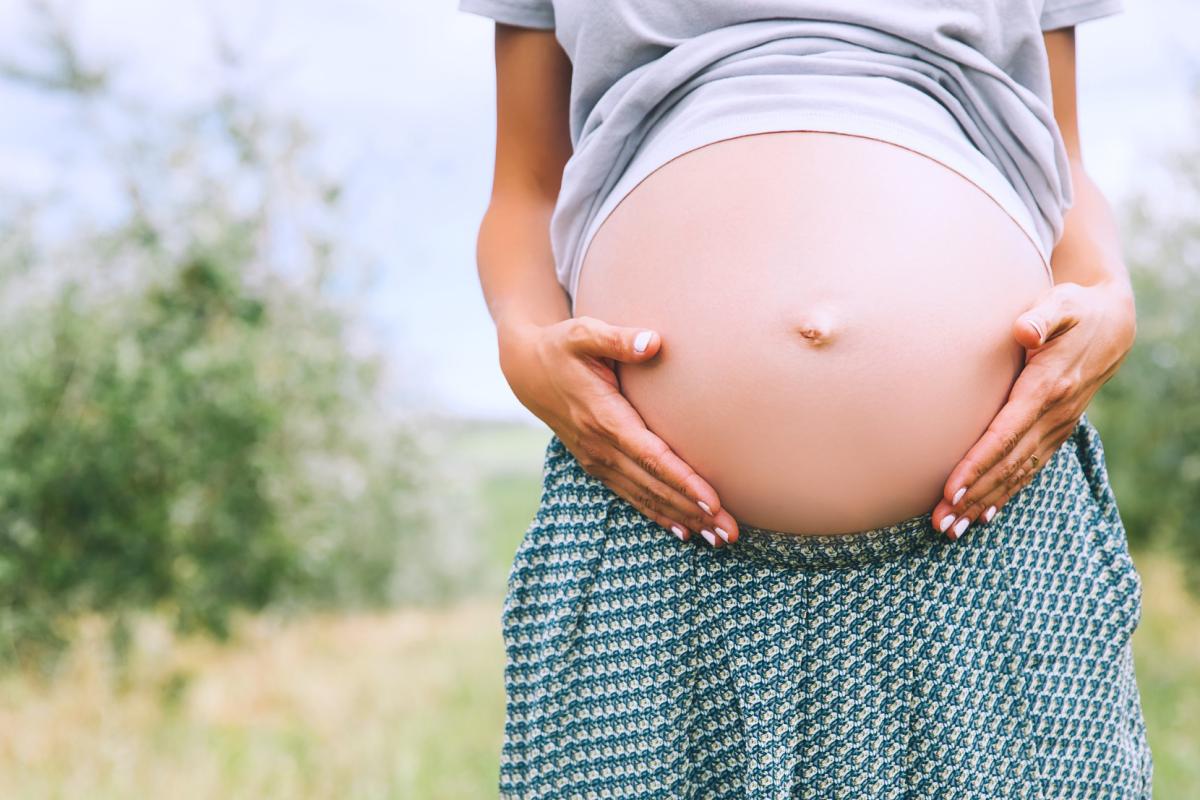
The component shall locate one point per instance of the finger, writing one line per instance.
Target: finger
(655, 458)
(634, 495)
(1014, 471)
(1007, 473)
(594, 337)
(655, 493)
(720, 528)
(1005, 479)
(984, 509)
(1023, 409)
(620, 423)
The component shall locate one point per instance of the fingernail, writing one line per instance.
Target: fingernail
(987, 515)
(958, 495)
(961, 526)
(704, 506)
(723, 535)
(641, 341)
(708, 537)
(1037, 327)
(947, 521)
(679, 532)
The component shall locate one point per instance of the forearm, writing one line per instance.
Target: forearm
(1089, 252)
(516, 265)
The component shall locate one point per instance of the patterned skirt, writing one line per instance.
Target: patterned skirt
(891, 663)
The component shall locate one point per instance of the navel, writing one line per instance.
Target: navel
(815, 328)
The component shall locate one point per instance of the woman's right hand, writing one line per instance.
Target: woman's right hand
(565, 374)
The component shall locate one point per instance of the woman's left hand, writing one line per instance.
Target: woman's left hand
(1075, 339)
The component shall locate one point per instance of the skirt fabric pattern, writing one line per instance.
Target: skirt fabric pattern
(891, 663)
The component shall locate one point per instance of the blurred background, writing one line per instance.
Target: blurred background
(261, 479)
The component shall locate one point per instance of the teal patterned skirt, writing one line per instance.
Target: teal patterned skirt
(891, 663)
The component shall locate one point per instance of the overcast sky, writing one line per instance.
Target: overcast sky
(400, 93)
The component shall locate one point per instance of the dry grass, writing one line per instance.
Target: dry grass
(406, 704)
(1167, 650)
(403, 704)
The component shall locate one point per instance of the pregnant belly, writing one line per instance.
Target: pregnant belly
(836, 314)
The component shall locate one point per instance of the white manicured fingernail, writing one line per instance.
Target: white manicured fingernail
(958, 495)
(641, 341)
(678, 531)
(723, 535)
(987, 515)
(708, 537)
(947, 521)
(704, 506)
(961, 526)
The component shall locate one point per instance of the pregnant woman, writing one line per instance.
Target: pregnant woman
(823, 290)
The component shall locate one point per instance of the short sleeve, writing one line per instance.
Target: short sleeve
(1065, 13)
(523, 13)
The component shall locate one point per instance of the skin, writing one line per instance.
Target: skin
(562, 367)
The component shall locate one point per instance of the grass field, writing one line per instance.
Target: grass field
(402, 704)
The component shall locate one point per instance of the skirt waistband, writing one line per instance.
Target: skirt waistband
(568, 484)
(833, 551)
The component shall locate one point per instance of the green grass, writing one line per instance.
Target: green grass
(501, 466)
(1167, 653)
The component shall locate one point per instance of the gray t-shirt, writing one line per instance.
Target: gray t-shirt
(964, 81)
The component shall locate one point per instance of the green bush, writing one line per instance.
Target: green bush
(187, 426)
(1149, 412)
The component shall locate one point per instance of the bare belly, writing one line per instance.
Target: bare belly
(836, 315)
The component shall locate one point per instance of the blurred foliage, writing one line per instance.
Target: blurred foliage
(191, 424)
(1149, 412)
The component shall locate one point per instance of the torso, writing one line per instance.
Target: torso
(836, 315)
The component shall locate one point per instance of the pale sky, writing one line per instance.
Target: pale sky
(400, 94)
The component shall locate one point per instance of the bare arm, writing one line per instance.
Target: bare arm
(1090, 249)
(561, 367)
(516, 267)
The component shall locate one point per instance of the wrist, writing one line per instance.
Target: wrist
(515, 339)
(1119, 286)
(1122, 304)
(515, 330)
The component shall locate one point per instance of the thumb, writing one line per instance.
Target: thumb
(1044, 321)
(598, 338)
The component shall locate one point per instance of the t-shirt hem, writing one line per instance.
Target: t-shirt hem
(509, 13)
(978, 170)
(1080, 12)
